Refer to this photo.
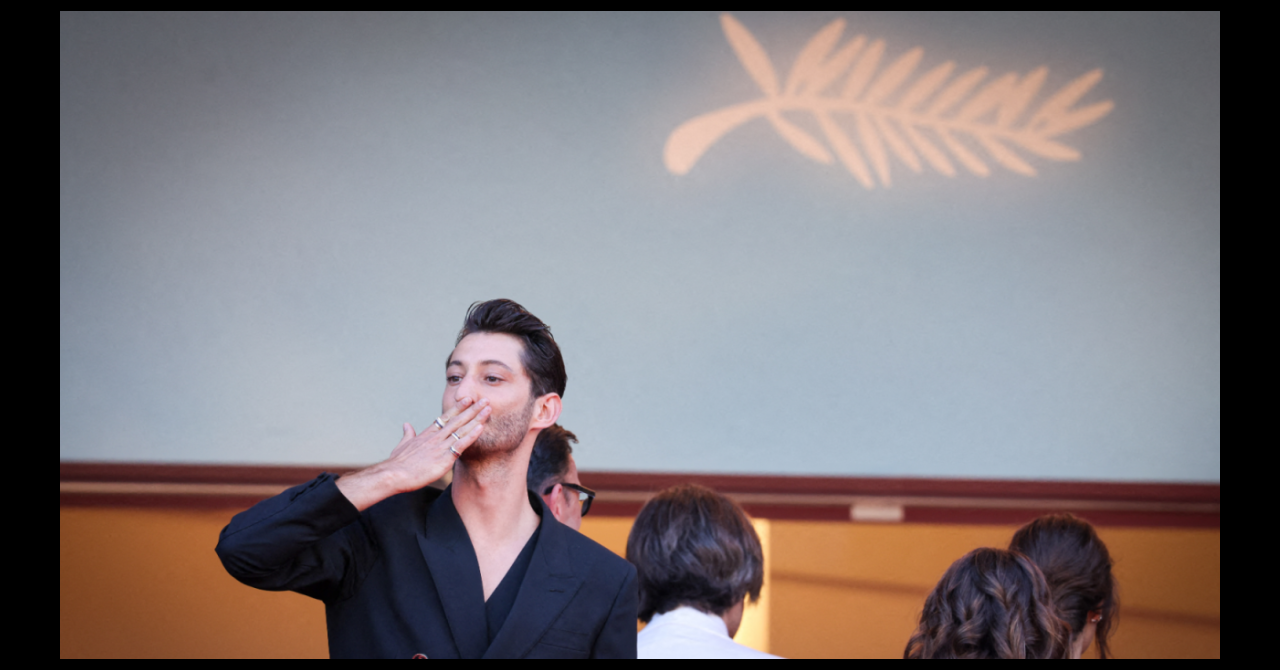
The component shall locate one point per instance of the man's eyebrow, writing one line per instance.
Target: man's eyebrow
(488, 362)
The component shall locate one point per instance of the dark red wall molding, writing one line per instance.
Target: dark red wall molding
(861, 499)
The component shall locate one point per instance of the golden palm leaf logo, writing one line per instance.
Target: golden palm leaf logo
(936, 119)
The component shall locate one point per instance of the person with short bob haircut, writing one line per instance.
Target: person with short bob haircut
(991, 603)
(1077, 566)
(697, 560)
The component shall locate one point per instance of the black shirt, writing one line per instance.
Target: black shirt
(498, 606)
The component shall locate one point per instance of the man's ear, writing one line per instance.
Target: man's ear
(546, 411)
(555, 501)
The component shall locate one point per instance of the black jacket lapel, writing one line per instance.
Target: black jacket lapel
(456, 573)
(550, 583)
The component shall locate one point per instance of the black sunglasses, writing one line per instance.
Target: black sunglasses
(585, 495)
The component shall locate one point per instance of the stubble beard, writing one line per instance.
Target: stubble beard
(502, 435)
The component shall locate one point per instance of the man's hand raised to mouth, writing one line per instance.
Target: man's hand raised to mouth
(420, 458)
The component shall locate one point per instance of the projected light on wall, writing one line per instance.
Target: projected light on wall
(937, 121)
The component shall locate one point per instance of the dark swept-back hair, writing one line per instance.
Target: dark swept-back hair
(550, 459)
(991, 603)
(692, 546)
(1077, 566)
(541, 357)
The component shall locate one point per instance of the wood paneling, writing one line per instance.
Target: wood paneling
(908, 500)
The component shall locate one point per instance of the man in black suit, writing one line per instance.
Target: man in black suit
(477, 570)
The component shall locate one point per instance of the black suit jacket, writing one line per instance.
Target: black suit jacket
(402, 578)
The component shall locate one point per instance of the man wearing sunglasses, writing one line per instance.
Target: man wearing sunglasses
(554, 476)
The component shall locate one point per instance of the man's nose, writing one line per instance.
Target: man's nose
(467, 388)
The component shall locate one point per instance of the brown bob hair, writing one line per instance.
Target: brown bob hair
(991, 603)
(1077, 566)
(694, 547)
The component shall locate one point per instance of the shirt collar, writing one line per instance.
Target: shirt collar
(688, 616)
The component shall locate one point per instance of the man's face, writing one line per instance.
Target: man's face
(487, 365)
(572, 516)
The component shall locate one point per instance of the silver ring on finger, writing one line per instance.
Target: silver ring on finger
(440, 423)
(455, 436)
(455, 451)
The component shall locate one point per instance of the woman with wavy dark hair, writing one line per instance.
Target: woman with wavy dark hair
(1077, 566)
(991, 603)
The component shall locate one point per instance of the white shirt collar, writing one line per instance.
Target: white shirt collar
(688, 616)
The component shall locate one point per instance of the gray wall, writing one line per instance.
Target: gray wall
(271, 227)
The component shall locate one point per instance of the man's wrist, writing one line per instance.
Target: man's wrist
(365, 488)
